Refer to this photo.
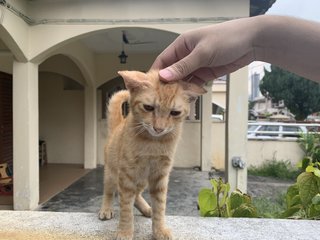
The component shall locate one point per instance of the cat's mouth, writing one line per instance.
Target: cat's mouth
(156, 132)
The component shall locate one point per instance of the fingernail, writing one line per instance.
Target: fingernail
(166, 74)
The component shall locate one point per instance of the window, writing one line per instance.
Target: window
(268, 128)
(291, 129)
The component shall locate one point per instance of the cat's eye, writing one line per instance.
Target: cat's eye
(175, 113)
(148, 108)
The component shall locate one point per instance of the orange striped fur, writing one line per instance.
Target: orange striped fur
(140, 148)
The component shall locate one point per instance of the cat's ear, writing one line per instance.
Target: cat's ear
(192, 90)
(134, 80)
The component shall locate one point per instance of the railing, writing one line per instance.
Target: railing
(282, 134)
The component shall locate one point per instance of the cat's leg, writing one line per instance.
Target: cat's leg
(106, 211)
(158, 185)
(127, 193)
(141, 204)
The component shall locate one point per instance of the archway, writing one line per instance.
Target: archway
(61, 124)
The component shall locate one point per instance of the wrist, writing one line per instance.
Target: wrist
(269, 41)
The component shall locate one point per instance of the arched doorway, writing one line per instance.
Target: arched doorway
(61, 124)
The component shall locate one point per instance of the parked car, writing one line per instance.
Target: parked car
(269, 130)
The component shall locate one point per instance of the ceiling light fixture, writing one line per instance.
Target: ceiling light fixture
(123, 56)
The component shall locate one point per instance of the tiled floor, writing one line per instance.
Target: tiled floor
(86, 194)
(54, 178)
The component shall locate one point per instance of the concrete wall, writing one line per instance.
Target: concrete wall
(61, 120)
(261, 150)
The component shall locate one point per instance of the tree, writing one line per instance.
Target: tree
(301, 96)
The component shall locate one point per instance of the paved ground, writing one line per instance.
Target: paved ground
(86, 194)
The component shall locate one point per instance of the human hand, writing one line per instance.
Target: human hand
(206, 53)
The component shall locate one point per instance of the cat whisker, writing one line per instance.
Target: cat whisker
(138, 128)
(140, 131)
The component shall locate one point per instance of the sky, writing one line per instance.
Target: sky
(306, 9)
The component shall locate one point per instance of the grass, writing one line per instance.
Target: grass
(273, 206)
(270, 208)
(277, 169)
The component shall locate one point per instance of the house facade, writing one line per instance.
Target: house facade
(62, 58)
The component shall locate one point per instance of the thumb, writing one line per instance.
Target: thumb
(181, 69)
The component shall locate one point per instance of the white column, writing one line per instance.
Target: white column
(206, 123)
(90, 131)
(236, 128)
(25, 136)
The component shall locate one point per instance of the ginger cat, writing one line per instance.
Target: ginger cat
(140, 148)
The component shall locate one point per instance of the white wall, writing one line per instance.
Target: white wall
(188, 150)
(261, 150)
(61, 120)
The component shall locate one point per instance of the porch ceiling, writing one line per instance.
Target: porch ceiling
(141, 40)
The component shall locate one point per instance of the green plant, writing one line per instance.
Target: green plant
(270, 207)
(310, 144)
(216, 202)
(303, 198)
(273, 168)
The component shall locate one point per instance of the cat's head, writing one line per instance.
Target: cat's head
(157, 106)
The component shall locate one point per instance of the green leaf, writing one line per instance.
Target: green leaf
(304, 163)
(245, 210)
(207, 201)
(310, 168)
(213, 213)
(308, 187)
(314, 212)
(225, 190)
(291, 211)
(296, 200)
(292, 197)
(316, 172)
(214, 184)
(236, 199)
(316, 199)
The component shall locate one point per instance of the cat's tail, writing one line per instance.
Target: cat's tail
(115, 116)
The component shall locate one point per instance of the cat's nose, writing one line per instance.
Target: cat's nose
(158, 130)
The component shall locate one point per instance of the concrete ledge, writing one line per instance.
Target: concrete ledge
(24, 225)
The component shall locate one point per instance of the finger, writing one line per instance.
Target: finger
(167, 57)
(173, 53)
(182, 68)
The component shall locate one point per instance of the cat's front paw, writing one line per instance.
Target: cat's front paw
(106, 214)
(162, 234)
(124, 235)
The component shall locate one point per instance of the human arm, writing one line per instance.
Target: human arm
(206, 53)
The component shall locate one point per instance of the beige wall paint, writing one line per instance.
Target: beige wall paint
(61, 120)
(6, 64)
(136, 9)
(107, 65)
(261, 150)
(219, 92)
(62, 65)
